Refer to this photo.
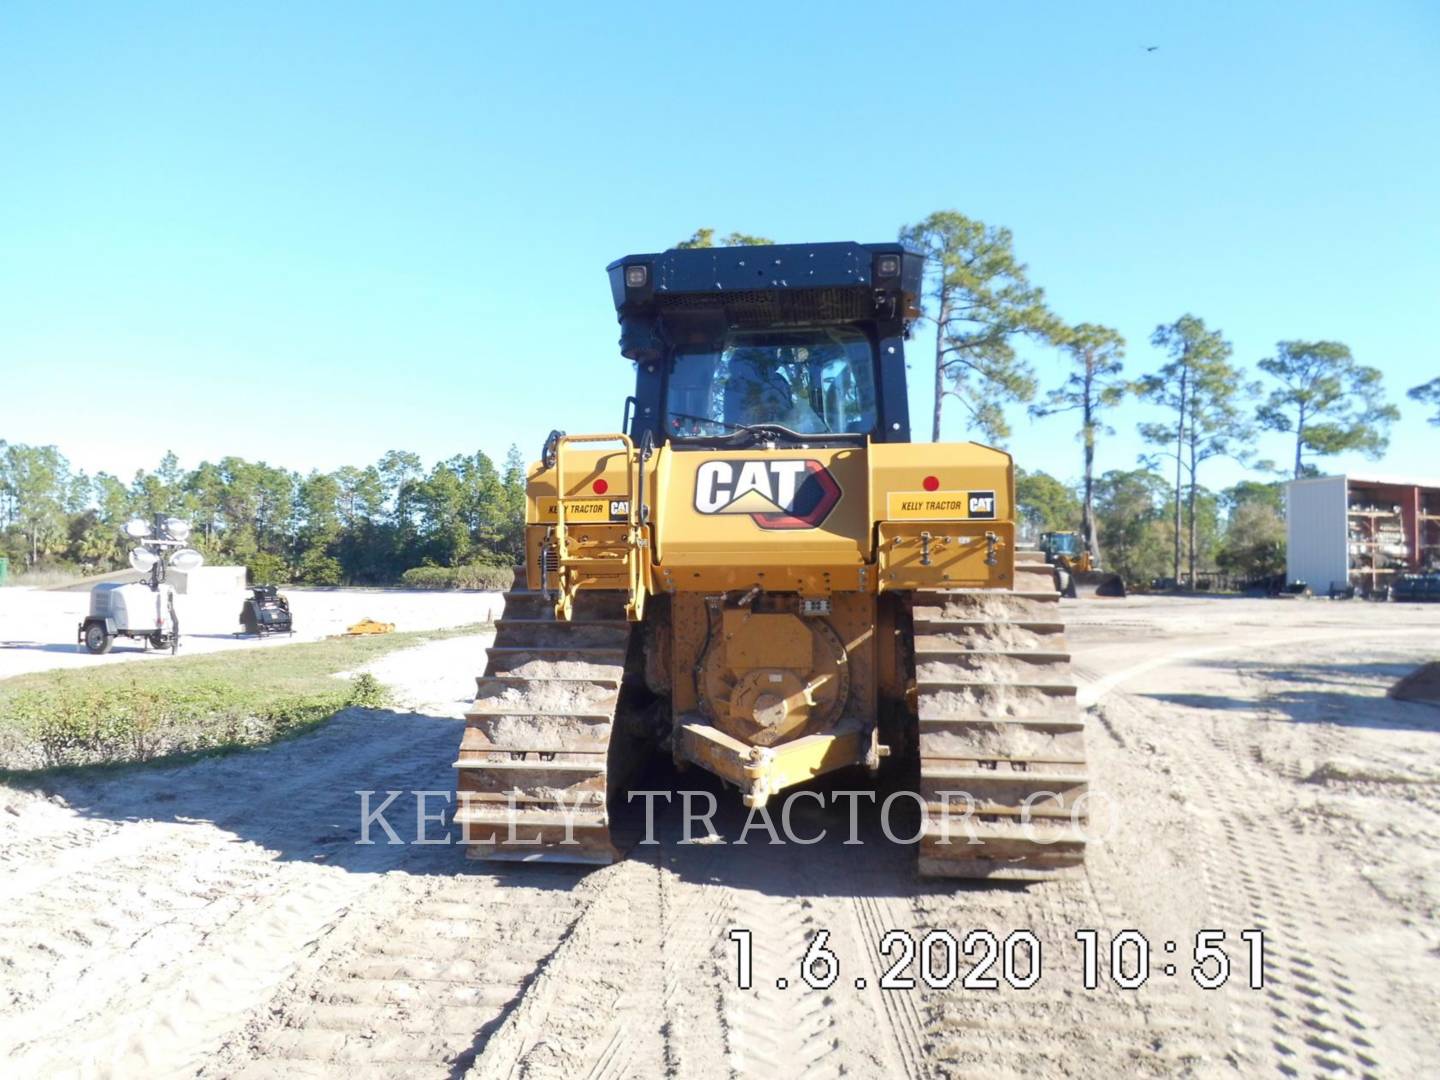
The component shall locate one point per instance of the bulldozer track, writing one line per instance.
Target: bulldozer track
(533, 773)
(645, 982)
(1000, 733)
(1155, 1030)
(778, 1028)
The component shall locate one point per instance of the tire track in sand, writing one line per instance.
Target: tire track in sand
(413, 980)
(589, 999)
(169, 932)
(1309, 1018)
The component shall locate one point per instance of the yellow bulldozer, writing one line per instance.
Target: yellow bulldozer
(762, 576)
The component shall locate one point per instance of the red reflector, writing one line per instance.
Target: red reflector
(600, 487)
(931, 483)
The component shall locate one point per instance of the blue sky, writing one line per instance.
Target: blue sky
(328, 230)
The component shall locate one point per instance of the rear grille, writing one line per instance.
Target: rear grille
(770, 307)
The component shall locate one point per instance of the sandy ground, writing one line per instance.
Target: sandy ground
(38, 627)
(219, 919)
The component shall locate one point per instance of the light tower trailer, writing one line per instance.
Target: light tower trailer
(143, 609)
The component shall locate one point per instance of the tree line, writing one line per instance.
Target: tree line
(981, 301)
(1239, 534)
(370, 525)
(356, 525)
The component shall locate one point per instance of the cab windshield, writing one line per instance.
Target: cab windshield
(819, 381)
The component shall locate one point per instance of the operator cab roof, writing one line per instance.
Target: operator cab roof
(769, 285)
(687, 301)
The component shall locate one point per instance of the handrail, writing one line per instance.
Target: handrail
(632, 520)
(560, 442)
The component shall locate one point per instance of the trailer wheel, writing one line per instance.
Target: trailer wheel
(96, 639)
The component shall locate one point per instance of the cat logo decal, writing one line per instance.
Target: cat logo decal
(777, 494)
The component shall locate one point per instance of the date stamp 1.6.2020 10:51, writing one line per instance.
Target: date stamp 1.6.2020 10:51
(981, 959)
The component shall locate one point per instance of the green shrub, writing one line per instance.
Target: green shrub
(317, 568)
(429, 577)
(474, 576)
(136, 723)
(266, 569)
(368, 692)
(488, 578)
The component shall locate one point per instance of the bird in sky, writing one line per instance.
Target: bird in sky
(1151, 48)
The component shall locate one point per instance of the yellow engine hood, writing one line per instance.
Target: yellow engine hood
(757, 508)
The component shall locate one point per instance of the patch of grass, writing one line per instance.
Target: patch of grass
(127, 713)
(44, 577)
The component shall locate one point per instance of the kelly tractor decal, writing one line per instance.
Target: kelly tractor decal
(941, 505)
(776, 494)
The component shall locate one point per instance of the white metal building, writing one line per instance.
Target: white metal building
(1360, 531)
(1316, 549)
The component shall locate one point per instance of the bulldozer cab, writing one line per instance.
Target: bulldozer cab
(817, 381)
(779, 345)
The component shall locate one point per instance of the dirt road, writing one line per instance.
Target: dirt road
(220, 919)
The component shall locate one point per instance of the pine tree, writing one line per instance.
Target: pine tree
(981, 300)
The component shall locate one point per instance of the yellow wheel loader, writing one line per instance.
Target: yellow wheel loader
(1076, 573)
(762, 576)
